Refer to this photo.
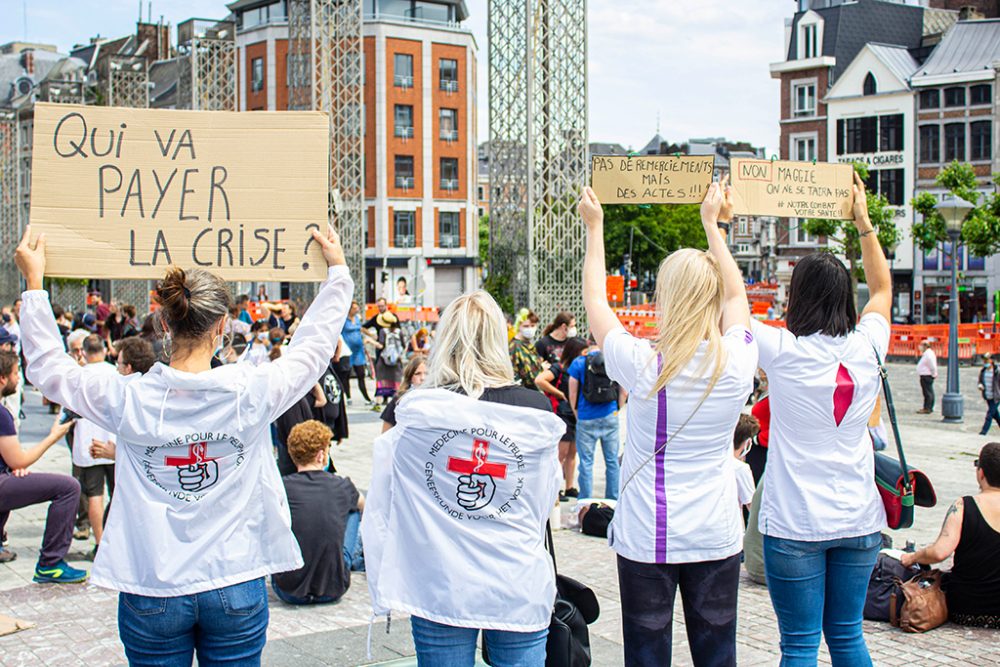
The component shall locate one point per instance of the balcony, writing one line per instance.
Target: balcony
(449, 85)
(404, 241)
(450, 241)
(405, 132)
(449, 135)
(402, 81)
(404, 182)
(450, 184)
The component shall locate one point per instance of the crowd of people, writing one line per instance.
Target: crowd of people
(734, 433)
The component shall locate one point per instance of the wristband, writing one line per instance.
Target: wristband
(864, 234)
(724, 226)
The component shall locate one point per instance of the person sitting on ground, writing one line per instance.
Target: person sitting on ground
(971, 531)
(94, 474)
(747, 429)
(326, 519)
(18, 489)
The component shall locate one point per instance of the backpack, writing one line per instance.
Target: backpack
(597, 386)
(393, 351)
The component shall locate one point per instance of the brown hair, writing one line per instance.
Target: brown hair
(93, 345)
(989, 458)
(137, 353)
(747, 427)
(192, 302)
(564, 317)
(308, 439)
(410, 371)
(8, 362)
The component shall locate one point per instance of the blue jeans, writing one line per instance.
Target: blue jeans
(354, 561)
(820, 587)
(992, 413)
(588, 432)
(440, 645)
(226, 626)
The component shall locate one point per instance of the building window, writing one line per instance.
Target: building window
(954, 142)
(448, 232)
(801, 237)
(862, 135)
(257, 75)
(448, 120)
(891, 133)
(890, 185)
(403, 70)
(479, 193)
(954, 97)
(404, 120)
(870, 86)
(404, 229)
(404, 171)
(981, 94)
(810, 48)
(448, 69)
(980, 140)
(930, 144)
(805, 100)
(804, 149)
(930, 99)
(449, 173)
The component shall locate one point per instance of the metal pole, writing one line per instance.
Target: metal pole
(952, 408)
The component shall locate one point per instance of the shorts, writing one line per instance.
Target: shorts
(94, 478)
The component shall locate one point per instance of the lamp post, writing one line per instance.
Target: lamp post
(953, 211)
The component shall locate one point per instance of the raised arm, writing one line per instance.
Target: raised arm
(304, 359)
(945, 544)
(99, 398)
(600, 317)
(716, 208)
(877, 273)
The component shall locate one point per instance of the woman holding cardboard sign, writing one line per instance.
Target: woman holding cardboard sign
(194, 453)
(820, 513)
(678, 522)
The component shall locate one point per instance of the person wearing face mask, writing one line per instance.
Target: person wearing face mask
(523, 357)
(550, 346)
(258, 348)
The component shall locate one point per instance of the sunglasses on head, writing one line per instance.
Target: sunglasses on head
(976, 463)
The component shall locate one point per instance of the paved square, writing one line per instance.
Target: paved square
(77, 625)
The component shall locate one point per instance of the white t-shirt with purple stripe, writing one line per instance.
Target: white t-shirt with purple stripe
(681, 507)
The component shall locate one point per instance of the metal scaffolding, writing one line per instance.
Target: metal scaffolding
(538, 150)
(10, 202)
(208, 69)
(325, 74)
(127, 85)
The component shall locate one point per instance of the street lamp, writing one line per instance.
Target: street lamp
(953, 210)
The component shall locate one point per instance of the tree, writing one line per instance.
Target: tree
(654, 232)
(496, 284)
(981, 230)
(844, 235)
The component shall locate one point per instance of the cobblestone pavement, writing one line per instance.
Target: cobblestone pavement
(76, 625)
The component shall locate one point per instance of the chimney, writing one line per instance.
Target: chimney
(28, 61)
(970, 13)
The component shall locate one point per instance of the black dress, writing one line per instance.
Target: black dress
(973, 585)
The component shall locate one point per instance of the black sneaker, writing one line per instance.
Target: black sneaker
(3, 539)
(572, 492)
(563, 497)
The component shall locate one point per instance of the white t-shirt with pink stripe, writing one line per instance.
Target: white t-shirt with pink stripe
(681, 506)
(820, 479)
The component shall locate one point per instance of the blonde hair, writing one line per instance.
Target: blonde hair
(689, 294)
(470, 347)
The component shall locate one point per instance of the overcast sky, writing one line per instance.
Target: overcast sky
(700, 65)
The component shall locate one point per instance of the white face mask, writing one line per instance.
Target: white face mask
(528, 332)
(571, 332)
(262, 336)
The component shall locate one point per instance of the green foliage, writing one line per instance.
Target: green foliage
(844, 235)
(659, 230)
(484, 240)
(498, 286)
(981, 231)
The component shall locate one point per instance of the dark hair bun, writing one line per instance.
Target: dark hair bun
(173, 294)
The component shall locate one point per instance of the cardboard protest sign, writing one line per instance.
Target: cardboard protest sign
(125, 193)
(651, 179)
(792, 189)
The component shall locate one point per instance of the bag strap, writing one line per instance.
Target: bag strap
(891, 409)
(550, 546)
(893, 614)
